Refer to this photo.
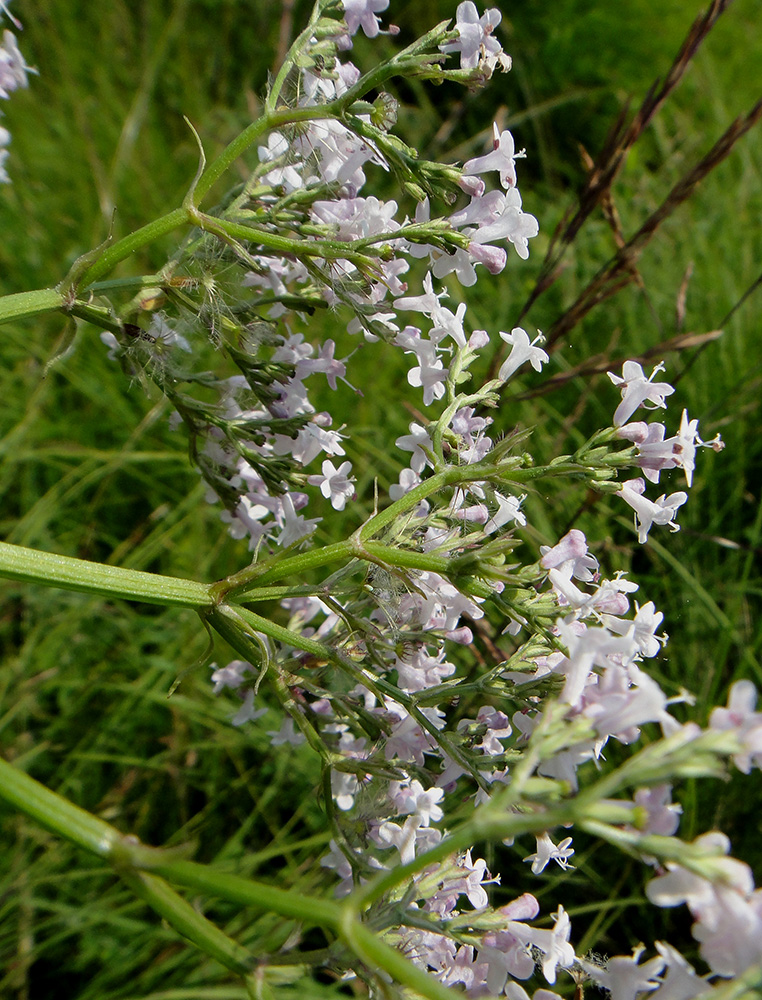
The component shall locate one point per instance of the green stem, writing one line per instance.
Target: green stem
(293, 53)
(453, 475)
(485, 825)
(235, 889)
(238, 626)
(257, 623)
(130, 244)
(33, 566)
(235, 587)
(390, 555)
(45, 300)
(56, 813)
(256, 594)
(187, 920)
(590, 809)
(342, 919)
(239, 145)
(97, 316)
(299, 247)
(60, 816)
(129, 284)
(337, 108)
(33, 303)
(407, 59)
(380, 956)
(144, 869)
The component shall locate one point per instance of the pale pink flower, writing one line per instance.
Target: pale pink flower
(362, 14)
(501, 157)
(637, 390)
(522, 350)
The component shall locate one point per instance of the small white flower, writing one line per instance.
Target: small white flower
(637, 390)
(521, 350)
(548, 851)
(335, 484)
(501, 158)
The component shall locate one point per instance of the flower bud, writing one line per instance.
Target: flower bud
(473, 186)
(493, 258)
(414, 190)
(384, 113)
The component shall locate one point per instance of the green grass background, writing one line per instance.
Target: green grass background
(90, 468)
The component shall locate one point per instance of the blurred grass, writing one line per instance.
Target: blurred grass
(90, 468)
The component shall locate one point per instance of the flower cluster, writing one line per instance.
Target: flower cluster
(655, 453)
(13, 75)
(255, 446)
(433, 671)
(724, 902)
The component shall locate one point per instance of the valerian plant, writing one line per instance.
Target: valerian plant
(425, 753)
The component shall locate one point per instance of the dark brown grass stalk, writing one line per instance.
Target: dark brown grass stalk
(622, 138)
(621, 269)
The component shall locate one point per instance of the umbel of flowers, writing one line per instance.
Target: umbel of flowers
(425, 753)
(386, 708)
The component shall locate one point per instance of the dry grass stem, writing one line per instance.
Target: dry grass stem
(622, 138)
(620, 270)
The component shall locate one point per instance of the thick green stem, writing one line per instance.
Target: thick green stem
(235, 889)
(187, 920)
(56, 813)
(130, 244)
(131, 859)
(144, 869)
(22, 304)
(32, 566)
